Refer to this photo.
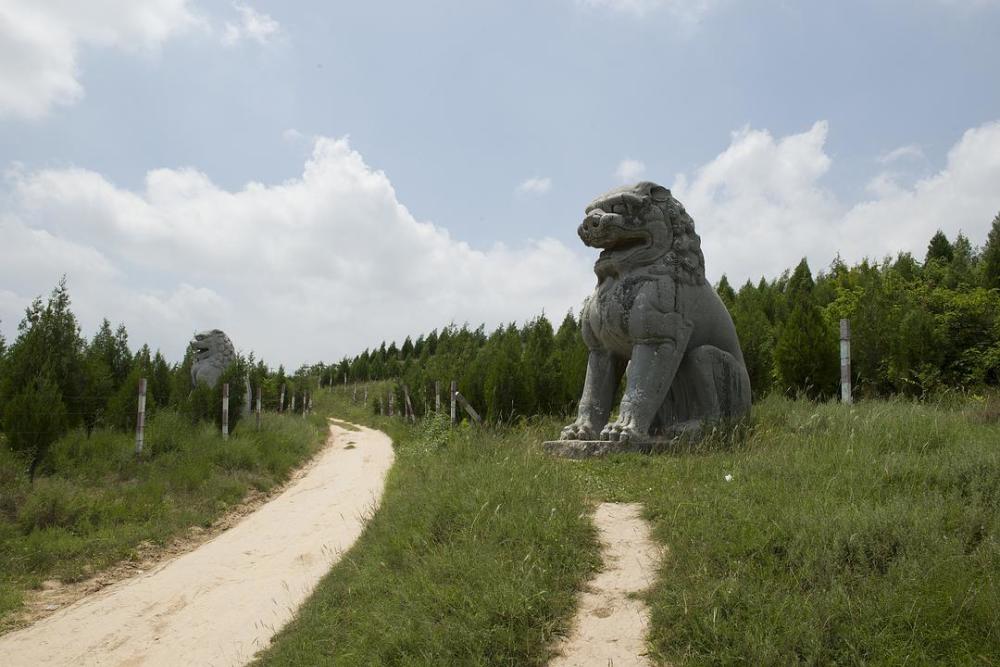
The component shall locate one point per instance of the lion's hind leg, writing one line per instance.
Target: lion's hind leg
(710, 385)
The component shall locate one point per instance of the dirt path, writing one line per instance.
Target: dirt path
(610, 627)
(222, 602)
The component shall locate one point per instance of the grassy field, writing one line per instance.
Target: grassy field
(474, 557)
(94, 502)
(819, 534)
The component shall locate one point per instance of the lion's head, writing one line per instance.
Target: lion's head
(643, 225)
(213, 352)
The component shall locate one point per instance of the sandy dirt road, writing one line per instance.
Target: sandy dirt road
(222, 602)
(610, 625)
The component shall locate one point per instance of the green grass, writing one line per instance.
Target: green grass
(861, 535)
(847, 535)
(94, 502)
(474, 557)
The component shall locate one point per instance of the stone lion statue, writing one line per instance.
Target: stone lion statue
(654, 318)
(213, 352)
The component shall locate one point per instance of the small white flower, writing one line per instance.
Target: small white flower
(728, 478)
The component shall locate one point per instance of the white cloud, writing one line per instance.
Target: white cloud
(759, 206)
(252, 25)
(534, 186)
(629, 170)
(688, 11)
(909, 152)
(312, 268)
(291, 135)
(40, 41)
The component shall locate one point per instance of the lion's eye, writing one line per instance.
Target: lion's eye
(620, 209)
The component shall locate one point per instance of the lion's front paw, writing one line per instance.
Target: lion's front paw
(577, 431)
(623, 430)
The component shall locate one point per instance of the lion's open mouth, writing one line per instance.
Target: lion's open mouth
(624, 245)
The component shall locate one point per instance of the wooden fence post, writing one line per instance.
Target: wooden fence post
(281, 400)
(845, 362)
(305, 404)
(409, 406)
(454, 390)
(354, 394)
(437, 396)
(392, 403)
(140, 417)
(380, 406)
(258, 407)
(366, 395)
(468, 408)
(225, 411)
(293, 402)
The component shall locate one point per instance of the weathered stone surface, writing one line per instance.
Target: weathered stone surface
(213, 352)
(654, 318)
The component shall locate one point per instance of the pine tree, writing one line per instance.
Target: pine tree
(805, 355)
(990, 258)
(726, 293)
(939, 249)
(34, 418)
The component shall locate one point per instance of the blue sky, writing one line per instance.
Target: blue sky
(340, 173)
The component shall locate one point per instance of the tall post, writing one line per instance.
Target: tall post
(225, 411)
(293, 402)
(258, 407)
(392, 403)
(845, 361)
(454, 390)
(305, 404)
(281, 400)
(140, 417)
(366, 394)
(380, 410)
(354, 394)
(437, 396)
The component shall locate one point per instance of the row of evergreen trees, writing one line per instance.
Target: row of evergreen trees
(918, 327)
(52, 379)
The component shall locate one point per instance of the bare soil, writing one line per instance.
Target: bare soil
(611, 621)
(215, 597)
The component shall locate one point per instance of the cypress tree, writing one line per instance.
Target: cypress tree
(805, 355)
(990, 258)
(939, 249)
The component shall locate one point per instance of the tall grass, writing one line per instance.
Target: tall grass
(96, 502)
(817, 534)
(847, 535)
(474, 557)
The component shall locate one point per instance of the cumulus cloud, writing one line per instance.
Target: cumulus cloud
(629, 170)
(760, 205)
(40, 41)
(689, 11)
(252, 25)
(534, 186)
(313, 268)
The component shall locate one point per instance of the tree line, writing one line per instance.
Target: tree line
(52, 379)
(919, 327)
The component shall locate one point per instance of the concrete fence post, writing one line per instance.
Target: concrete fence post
(845, 361)
(454, 391)
(258, 407)
(140, 417)
(225, 411)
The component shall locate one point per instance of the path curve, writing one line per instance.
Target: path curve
(222, 602)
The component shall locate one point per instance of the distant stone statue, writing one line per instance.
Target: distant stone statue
(655, 318)
(213, 352)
